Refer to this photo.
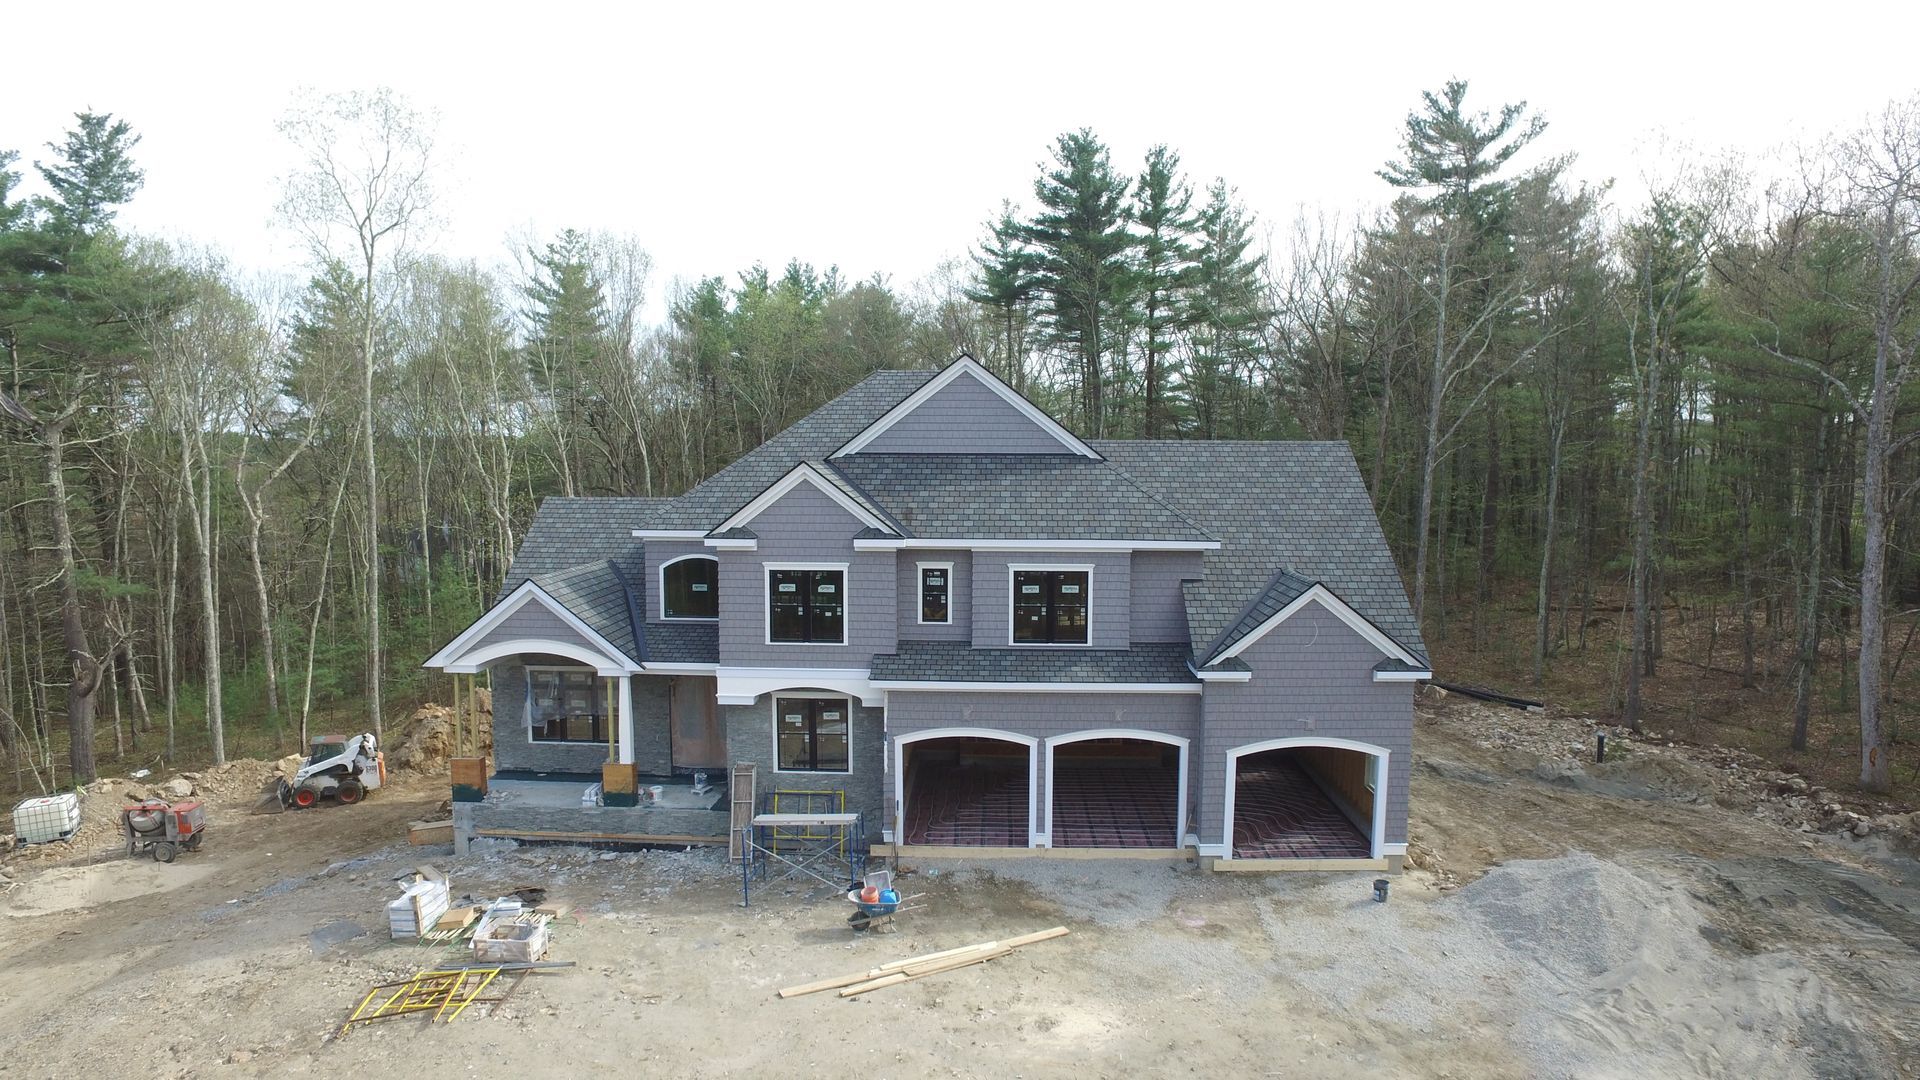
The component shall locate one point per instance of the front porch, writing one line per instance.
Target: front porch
(552, 809)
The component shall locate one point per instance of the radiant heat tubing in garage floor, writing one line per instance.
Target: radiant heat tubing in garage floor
(1280, 813)
(1105, 807)
(968, 805)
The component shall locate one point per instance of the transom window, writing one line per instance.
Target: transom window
(812, 733)
(690, 588)
(565, 705)
(936, 593)
(806, 605)
(1050, 607)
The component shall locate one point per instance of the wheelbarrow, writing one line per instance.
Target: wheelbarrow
(876, 903)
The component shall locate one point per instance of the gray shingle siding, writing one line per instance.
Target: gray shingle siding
(533, 621)
(1159, 611)
(1043, 716)
(750, 741)
(959, 596)
(806, 526)
(965, 417)
(1312, 677)
(1110, 608)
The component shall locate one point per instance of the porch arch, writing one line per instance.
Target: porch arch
(1380, 753)
(472, 662)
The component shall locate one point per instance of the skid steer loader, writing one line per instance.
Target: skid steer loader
(343, 768)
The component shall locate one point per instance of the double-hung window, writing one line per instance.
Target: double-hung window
(806, 605)
(936, 593)
(812, 733)
(565, 705)
(1050, 607)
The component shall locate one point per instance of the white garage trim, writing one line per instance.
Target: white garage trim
(1180, 804)
(1376, 848)
(898, 817)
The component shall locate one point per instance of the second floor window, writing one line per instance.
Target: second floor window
(807, 606)
(690, 588)
(1050, 607)
(936, 593)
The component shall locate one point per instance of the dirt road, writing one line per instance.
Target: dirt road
(1593, 935)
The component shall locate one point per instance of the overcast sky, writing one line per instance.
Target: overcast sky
(879, 137)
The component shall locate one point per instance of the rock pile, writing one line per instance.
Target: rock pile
(429, 735)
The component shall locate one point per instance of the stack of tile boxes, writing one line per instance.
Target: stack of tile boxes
(418, 910)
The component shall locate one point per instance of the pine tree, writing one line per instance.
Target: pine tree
(1164, 272)
(1004, 283)
(1227, 311)
(1082, 275)
(94, 173)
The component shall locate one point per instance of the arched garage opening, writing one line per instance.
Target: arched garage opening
(1306, 798)
(965, 787)
(1116, 789)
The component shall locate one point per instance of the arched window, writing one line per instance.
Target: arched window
(690, 588)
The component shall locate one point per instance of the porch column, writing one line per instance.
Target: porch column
(626, 719)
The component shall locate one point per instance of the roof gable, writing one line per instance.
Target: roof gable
(966, 409)
(472, 649)
(800, 475)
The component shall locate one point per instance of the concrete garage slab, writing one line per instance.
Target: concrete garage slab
(1281, 813)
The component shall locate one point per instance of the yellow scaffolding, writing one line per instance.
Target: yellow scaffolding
(445, 994)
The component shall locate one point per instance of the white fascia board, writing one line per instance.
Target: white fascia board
(802, 473)
(1321, 595)
(1219, 676)
(528, 592)
(651, 668)
(1401, 676)
(1014, 544)
(1393, 849)
(1037, 688)
(745, 685)
(732, 543)
(1210, 851)
(669, 534)
(966, 365)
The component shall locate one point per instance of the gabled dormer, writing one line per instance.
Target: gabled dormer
(966, 409)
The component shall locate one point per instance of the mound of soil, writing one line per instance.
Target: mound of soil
(428, 741)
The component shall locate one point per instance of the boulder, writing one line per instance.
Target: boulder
(177, 788)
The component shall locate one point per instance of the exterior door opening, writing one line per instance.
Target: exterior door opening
(698, 733)
(1304, 802)
(967, 792)
(1115, 793)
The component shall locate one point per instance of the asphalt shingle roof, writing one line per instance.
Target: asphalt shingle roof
(683, 643)
(957, 661)
(1295, 506)
(1044, 496)
(811, 438)
(595, 593)
(567, 532)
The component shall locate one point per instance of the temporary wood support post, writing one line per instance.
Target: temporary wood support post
(612, 729)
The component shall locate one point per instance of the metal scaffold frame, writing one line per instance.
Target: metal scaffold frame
(802, 834)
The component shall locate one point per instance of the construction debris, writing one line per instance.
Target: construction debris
(443, 994)
(916, 967)
(418, 910)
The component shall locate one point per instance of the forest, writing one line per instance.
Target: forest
(1602, 434)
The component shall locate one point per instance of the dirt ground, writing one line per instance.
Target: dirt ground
(1642, 919)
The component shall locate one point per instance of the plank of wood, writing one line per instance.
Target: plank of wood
(921, 971)
(604, 838)
(925, 958)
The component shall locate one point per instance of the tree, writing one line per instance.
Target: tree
(1004, 284)
(1081, 277)
(364, 170)
(1225, 310)
(1463, 265)
(1164, 271)
(93, 174)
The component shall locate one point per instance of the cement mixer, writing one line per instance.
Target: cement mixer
(163, 829)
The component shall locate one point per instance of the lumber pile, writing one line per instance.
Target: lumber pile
(919, 967)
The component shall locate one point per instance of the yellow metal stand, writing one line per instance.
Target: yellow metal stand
(429, 991)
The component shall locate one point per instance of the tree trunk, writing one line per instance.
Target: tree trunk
(1641, 592)
(1555, 436)
(199, 485)
(85, 682)
(372, 525)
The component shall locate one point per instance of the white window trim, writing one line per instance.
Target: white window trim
(898, 813)
(1014, 568)
(773, 707)
(664, 617)
(920, 588)
(967, 365)
(1138, 735)
(1376, 846)
(846, 602)
(599, 695)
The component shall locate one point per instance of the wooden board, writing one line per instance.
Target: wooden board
(429, 833)
(740, 794)
(603, 838)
